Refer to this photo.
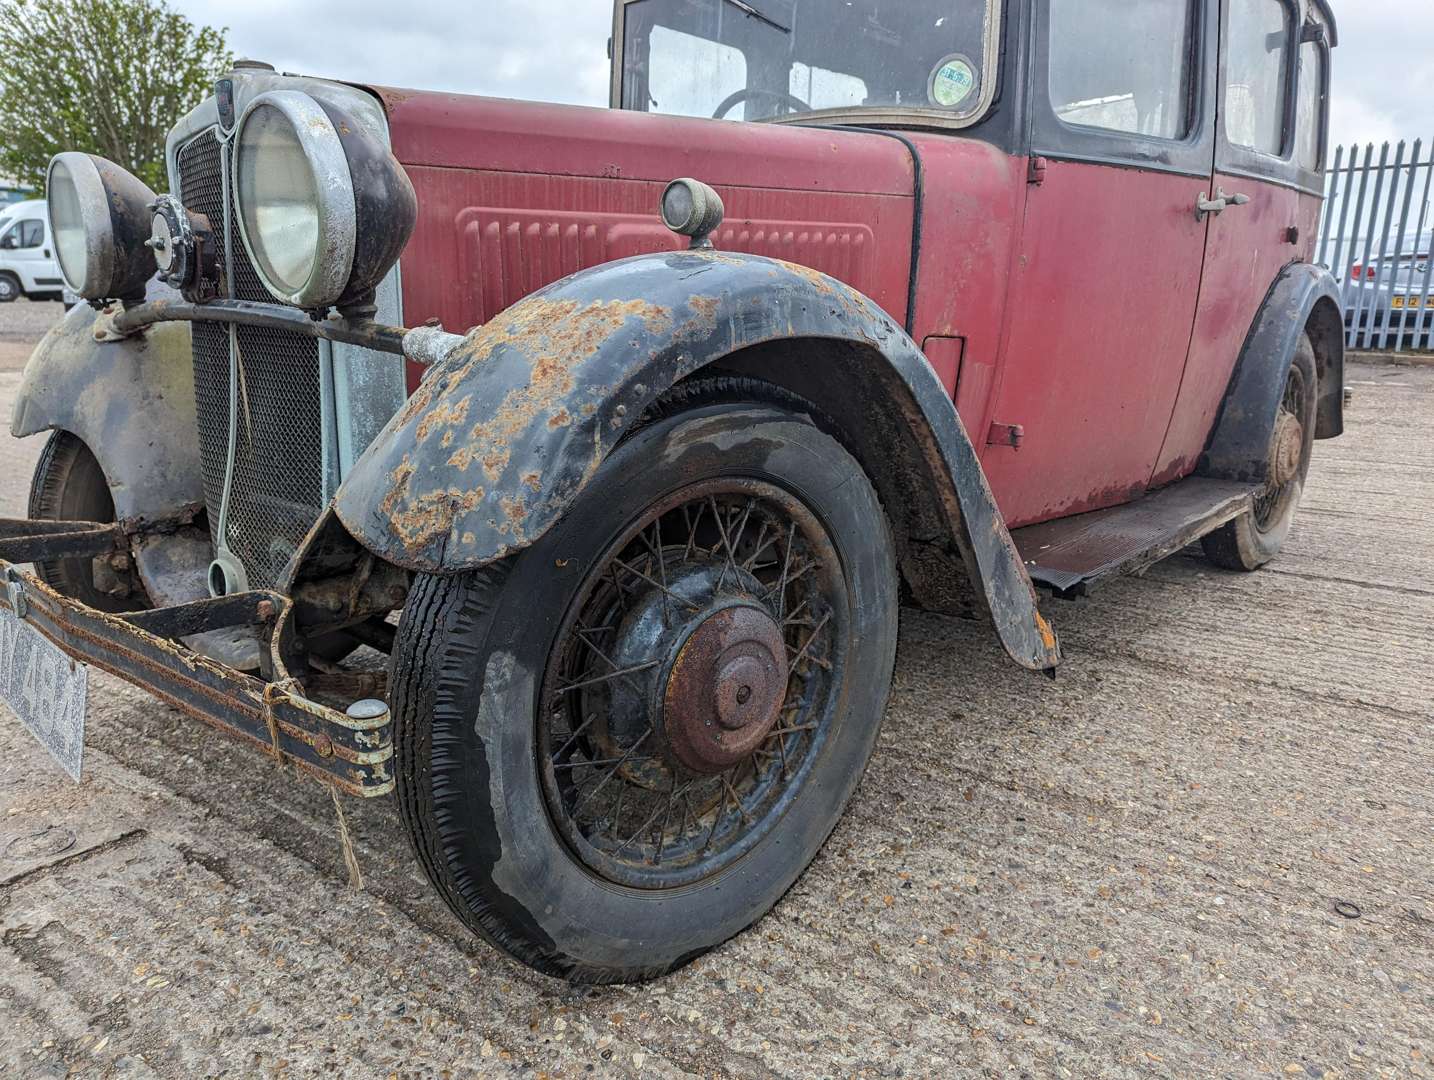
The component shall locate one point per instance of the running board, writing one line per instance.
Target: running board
(1070, 556)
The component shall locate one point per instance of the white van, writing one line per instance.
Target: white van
(27, 253)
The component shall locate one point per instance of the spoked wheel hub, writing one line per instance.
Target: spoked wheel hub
(1287, 455)
(724, 689)
(1288, 449)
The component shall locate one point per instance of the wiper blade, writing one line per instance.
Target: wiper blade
(742, 5)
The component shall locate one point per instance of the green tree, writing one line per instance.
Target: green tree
(109, 77)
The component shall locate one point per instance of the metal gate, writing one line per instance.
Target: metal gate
(1375, 238)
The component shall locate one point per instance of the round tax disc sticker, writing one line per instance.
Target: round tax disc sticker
(953, 81)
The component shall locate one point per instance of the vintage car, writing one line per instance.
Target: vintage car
(626, 433)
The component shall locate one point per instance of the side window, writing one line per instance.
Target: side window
(1257, 74)
(32, 233)
(689, 73)
(1124, 67)
(1314, 83)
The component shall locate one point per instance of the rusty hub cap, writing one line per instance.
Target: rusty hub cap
(1288, 449)
(725, 689)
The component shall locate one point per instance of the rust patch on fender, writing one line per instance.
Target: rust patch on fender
(555, 337)
(417, 521)
(1048, 636)
(444, 415)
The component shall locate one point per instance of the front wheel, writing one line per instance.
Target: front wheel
(9, 288)
(623, 745)
(69, 485)
(1256, 537)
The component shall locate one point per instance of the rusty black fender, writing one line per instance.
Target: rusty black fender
(1304, 298)
(131, 402)
(504, 434)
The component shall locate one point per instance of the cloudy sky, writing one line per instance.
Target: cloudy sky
(556, 50)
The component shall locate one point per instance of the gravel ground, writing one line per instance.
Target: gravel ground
(1132, 871)
(23, 323)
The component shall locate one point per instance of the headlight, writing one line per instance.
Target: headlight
(99, 216)
(324, 208)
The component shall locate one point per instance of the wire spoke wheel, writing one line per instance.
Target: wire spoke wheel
(691, 684)
(623, 744)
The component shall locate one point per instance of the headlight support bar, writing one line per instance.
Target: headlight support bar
(424, 345)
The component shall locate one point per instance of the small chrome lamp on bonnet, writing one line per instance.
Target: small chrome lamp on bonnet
(100, 218)
(691, 208)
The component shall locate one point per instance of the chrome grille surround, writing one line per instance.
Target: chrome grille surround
(280, 455)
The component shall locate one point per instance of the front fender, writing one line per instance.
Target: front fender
(501, 437)
(131, 402)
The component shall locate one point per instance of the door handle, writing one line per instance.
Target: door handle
(1219, 204)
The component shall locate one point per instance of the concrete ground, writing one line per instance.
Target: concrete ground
(1136, 870)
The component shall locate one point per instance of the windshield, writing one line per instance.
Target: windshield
(769, 59)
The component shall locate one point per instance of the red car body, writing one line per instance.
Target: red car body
(1028, 269)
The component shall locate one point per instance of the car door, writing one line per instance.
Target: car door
(1274, 76)
(1103, 302)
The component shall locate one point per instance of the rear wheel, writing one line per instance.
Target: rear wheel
(9, 288)
(1252, 540)
(69, 485)
(623, 745)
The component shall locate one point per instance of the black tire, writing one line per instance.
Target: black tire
(69, 485)
(10, 288)
(1256, 537)
(477, 654)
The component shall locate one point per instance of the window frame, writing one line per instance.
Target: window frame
(866, 115)
(1326, 60)
(1234, 160)
(1292, 80)
(1058, 139)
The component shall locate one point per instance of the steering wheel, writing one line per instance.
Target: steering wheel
(792, 102)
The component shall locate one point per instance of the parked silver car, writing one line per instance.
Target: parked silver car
(1394, 294)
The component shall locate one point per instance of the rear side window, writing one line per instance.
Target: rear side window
(1309, 133)
(1257, 74)
(1124, 67)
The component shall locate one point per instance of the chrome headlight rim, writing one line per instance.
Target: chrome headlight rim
(335, 204)
(101, 249)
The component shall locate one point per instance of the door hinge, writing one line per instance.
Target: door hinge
(1036, 170)
(1011, 435)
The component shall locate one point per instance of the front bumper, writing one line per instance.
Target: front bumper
(144, 648)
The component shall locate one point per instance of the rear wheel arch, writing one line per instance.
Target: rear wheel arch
(1325, 329)
(1302, 305)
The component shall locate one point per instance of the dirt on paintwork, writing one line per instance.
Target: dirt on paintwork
(1203, 851)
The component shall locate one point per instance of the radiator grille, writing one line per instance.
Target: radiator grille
(278, 486)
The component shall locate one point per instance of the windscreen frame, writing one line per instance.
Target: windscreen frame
(896, 116)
